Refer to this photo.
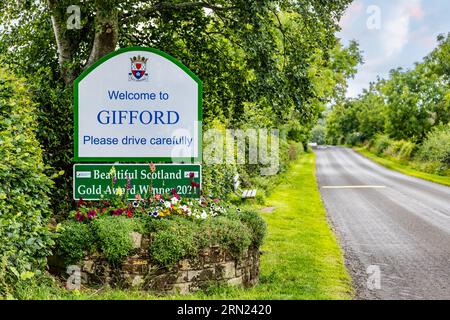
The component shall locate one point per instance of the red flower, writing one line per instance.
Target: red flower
(118, 212)
(129, 214)
(191, 175)
(92, 214)
(80, 217)
(193, 184)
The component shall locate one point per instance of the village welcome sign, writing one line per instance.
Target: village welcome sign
(137, 104)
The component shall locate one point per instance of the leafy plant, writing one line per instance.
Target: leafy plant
(381, 143)
(174, 241)
(114, 237)
(74, 241)
(24, 236)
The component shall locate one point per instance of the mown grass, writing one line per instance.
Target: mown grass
(404, 168)
(301, 259)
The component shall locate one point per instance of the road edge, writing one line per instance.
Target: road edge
(391, 165)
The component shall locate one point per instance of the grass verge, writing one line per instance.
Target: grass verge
(395, 164)
(302, 259)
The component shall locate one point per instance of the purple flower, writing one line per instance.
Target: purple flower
(92, 214)
(79, 216)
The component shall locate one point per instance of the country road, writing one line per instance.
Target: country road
(389, 221)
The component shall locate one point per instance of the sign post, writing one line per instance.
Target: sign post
(137, 105)
(94, 181)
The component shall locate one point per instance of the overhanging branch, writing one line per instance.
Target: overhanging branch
(164, 6)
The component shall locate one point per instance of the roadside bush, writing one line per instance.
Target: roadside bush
(406, 151)
(380, 144)
(436, 147)
(24, 236)
(433, 155)
(354, 138)
(401, 150)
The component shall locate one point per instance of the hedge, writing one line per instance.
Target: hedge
(24, 236)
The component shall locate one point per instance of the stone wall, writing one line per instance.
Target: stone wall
(212, 265)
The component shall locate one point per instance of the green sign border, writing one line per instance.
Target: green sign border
(77, 158)
(128, 164)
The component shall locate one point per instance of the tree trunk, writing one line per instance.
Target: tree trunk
(64, 43)
(106, 34)
(105, 39)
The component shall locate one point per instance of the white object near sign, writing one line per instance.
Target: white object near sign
(137, 104)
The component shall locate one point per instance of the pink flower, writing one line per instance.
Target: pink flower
(152, 167)
(92, 214)
(118, 212)
(80, 217)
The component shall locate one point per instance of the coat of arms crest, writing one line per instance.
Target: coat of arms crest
(138, 69)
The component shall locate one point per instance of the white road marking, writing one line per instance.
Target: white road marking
(353, 187)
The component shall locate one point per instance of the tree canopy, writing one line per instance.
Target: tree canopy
(263, 63)
(406, 106)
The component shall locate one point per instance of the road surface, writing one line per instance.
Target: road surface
(387, 222)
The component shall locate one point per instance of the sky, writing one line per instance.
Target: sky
(391, 34)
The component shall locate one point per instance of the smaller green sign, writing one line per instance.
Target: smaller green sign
(99, 181)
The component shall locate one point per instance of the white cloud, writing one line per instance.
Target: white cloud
(395, 33)
(385, 48)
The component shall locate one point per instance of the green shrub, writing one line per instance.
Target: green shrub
(24, 236)
(174, 240)
(354, 138)
(401, 150)
(380, 144)
(295, 150)
(393, 149)
(406, 151)
(74, 240)
(436, 147)
(114, 236)
(256, 225)
(231, 235)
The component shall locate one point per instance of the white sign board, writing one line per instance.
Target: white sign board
(137, 104)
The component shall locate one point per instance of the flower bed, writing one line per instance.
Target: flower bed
(160, 242)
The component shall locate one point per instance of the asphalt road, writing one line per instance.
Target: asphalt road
(390, 222)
